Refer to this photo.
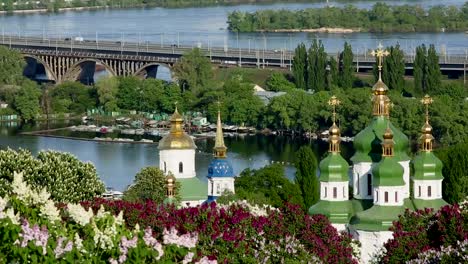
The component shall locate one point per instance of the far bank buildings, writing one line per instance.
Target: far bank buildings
(379, 177)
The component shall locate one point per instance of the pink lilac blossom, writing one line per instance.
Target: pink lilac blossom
(60, 250)
(150, 241)
(188, 258)
(39, 236)
(206, 260)
(124, 246)
(186, 240)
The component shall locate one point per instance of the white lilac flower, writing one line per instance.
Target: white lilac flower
(104, 238)
(3, 204)
(49, 211)
(19, 187)
(119, 219)
(79, 214)
(101, 213)
(14, 218)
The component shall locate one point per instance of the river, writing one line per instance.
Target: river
(117, 163)
(206, 26)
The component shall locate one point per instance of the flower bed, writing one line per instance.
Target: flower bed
(35, 230)
(429, 237)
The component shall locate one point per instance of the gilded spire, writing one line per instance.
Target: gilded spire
(379, 90)
(334, 131)
(388, 144)
(170, 185)
(219, 148)
(176, 122)
(426, 137)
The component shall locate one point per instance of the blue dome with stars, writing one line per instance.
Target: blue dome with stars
(220, 168)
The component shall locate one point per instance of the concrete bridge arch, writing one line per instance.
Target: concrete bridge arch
(150, 70)
(31, 68)
(84, 69)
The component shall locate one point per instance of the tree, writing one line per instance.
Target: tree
(267, 185)
(346, 66)
(193, 71)
(243, 106)
(419, 69)
(107, 89)
(277, 82)
(455, 171)
(65, 177)
(433, 74)
(72, 97)
(129, 93)
(306, 175)
(27, 101)
(334, 74)
(317, 61)
(299, 67)
(149, 184)
(12, 65)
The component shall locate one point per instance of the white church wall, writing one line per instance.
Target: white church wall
(170, 159)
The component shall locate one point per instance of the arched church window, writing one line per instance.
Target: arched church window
(376, 196)
(344, 192)
(358, 183)
(419, 191)
(429, 191)
(325, 193)
(218, 187)
(181, 167)
(396, 197)
(165, 168)
(369, 184)
(334, 192)
(386, 197)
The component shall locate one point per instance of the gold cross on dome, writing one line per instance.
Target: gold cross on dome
(380, 53)
(426, 101)
(334, 102)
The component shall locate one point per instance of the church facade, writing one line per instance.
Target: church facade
(177, 161)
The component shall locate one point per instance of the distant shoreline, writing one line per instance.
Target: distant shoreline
(336, 30)
(45, 10)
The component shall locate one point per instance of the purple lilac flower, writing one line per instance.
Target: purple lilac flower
(150, 241)
(40, 236)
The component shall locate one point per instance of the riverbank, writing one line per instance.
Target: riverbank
(45, 10)
(337, 30)
(343, 19)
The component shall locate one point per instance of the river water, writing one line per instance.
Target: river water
(206, 26)
(117, 163)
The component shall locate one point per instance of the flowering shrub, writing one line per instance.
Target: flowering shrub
(239, 232)
(34, 230)
(66, 178)
(425, 234)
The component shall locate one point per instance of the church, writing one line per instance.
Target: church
(363, 199)
(177, 161)
(379, 177)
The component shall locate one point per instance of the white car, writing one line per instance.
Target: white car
(80, 39)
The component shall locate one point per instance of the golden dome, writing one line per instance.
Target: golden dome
(426, 129)
(388, 134)
(334, 130)
(379, 88)
(177, 138)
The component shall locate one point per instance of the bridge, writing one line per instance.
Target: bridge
(71, 60)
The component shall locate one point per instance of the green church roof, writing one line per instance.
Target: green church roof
(193, 189)
(368, 142)
(379, 218)
(388, 172)
(427, 167)
(339, 212)
(334, 168)
(435, 204)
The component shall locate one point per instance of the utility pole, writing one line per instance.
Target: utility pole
(97, 41)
